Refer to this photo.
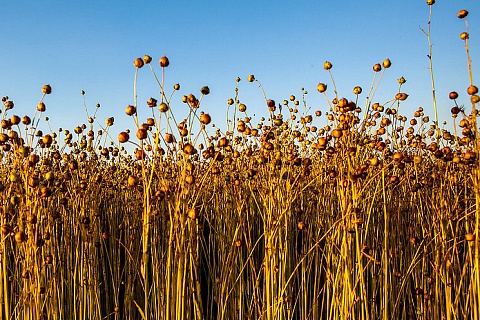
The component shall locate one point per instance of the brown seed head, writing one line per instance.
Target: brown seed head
(163, 107)
(205, 90)
(205, 118)
(164, 62)
(20, 236)
(469, 236)
(189, 149)
(464, 35)
(123, 137)
(193, 213)
(142, 133)
(26, 120)
(47, 89)
(472, 90)
(462, 14)
(386, 63)
(132, 181)
(453, 95)
(41, 107)
(138, 63)
(147, 59)
(130, 110)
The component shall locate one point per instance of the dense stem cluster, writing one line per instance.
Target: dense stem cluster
(370, 215)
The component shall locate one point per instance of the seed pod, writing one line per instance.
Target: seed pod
(386, 63)
(193, 213)
(163, 107)
(337, 133)
(26, 120)
(130, 110)
(401, 96)
(190, 179)
(147, 59)
(205, 118)
(142, 133)
(189, 149)
(472, 90)
(138, 63)
(453, 95)
(164, 62)
(132, 181)
(20, 236)
(123, 137)
(205, 90)
(462, 14)
(47, 89)
(6, 229)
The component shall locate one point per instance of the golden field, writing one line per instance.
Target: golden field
(375, 215)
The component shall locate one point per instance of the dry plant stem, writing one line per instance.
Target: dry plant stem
(385, 255)
(432, 78)
(476, 184)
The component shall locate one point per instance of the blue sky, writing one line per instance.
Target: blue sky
(91, 45)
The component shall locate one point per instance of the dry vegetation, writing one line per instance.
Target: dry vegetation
(375, 215)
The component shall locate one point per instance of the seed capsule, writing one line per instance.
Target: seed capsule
(193, 213)
(462, 14)
(138, 63)
(47, 89)
(469, 237)
(163, 107)
(472, 90)
(205, 90)
(20, 236)
(123, 137)
(453, 95)
(147, 59)
(205, 118)
(164, 62)
(401, 96)
(130, 110)
(386, 63)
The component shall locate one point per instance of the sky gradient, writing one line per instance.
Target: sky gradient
(91, 46)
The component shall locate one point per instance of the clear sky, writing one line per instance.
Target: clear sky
(91, 45)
